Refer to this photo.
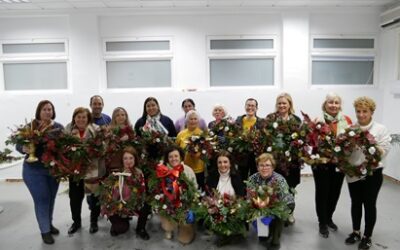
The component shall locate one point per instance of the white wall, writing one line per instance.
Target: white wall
(85, 32)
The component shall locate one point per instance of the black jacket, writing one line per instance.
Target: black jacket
(165, 120)
(237, 183)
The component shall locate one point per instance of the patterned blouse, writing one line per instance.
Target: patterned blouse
(283, 192)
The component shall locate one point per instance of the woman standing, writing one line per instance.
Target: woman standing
(192, 159)
(153, 118)
(267, 176)
(284, 113)
(247, 122)
(219, 113)
(364, 190)
(82, 127)
(121, 129)
(187, 105)
(327, 178)
(42, 186)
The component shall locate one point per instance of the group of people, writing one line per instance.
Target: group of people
(226, 176)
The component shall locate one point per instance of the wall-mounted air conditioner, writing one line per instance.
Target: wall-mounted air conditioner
(391, 18)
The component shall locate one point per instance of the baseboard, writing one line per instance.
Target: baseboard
(387, 177)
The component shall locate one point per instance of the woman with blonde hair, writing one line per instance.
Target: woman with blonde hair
(327, 179)
(364, 189)
(284, 113)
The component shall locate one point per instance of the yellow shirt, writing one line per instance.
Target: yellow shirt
(192, 161)
(248, 123)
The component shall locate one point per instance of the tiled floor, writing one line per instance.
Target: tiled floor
(19, 229)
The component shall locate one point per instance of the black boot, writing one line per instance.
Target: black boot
(93, 227)
(142, 233)
(54, 231)
(74, 227)
(48, 238)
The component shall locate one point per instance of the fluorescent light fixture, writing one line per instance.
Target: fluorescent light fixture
(15, 1)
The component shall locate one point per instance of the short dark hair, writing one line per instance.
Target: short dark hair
(171, 149)
(188, 100)
(252, 99)
(95, 96)
(41, 105)
(149, 99)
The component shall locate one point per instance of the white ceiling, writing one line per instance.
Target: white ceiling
(63, 5)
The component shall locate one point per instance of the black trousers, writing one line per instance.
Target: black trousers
(328, 185)
(247, 166)
(76, 194)
(365, 193)
(200, 179)
(143, 215)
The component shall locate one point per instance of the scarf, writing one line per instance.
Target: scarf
(155, 124)
(225, 184)
(337, 123)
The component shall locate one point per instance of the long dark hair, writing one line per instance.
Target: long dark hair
(39, 109)
(149, 99)
(228, 155)
(188, 100)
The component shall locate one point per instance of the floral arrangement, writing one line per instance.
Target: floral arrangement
(122, 194)
(319, 140)
(6, 157)
(200, 144)
(118, 138)
(223, 133)
(30, 135)
(172, 194)
(66, 156)
(223, 214)
(263, 200)
(27, 133)
(154, 143)
(355, 139)
(283, 141)
(249, 141)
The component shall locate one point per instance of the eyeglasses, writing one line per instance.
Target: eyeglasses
(265, 166)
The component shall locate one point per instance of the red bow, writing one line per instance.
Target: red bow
(163, 171)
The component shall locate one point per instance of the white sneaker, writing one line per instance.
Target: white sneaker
(168, 235)
(291, 219)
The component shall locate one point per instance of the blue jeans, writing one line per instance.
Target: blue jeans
(43, 188)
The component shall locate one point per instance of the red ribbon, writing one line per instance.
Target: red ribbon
(163, 172)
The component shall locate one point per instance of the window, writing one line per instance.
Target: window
(342, 61)
(139, 63)
(242, 61)
(37, 65)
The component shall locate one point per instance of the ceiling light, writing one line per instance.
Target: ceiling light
(15, 1)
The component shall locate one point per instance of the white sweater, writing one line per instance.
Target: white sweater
(382, 138)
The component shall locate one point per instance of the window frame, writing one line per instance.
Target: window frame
(145, 55)
(42, 57)
(244, 54)
(343, 53)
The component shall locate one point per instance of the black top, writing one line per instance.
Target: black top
(165, 121)
(237, 183)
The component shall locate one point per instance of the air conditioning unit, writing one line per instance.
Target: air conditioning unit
(391, 18)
